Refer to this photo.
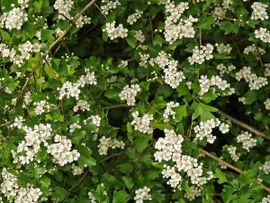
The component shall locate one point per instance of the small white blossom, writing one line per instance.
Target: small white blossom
(202, 54)
(105, 143)
(133, 18)
(267, 104)
(262, 34)
(259, 11)
(142, 194)
(142, 124)
(14, 19)
(169, 111)
(246, 140)
(266, 167)
(114, 31)
(129, 93)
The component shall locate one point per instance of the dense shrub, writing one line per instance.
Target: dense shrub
(134, 101)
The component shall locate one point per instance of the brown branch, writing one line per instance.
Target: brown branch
(76, 185)
(243, 125)
(228, 165)
(89, 5)
(116, 106)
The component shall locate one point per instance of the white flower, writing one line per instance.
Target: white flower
(95, 119)
(73, 127)
(61, 151)
(114, 31)
(267, 104)
(232, 152)
(254, 82)
(129, 93)
(142, 194)
(63, 7)
(81, 105)
(134, 17)
(142, 124)
(169, 111)
(266, 167)
(108, 6)
(14, 19)
(202, 54)
(76, 170)
(259, 11)
(204, 130)
(262, 34)
(224, 48)
(41, 107)
(106, 143)
(139, 36)
(246, 140)
(224, 128)
(266, 199)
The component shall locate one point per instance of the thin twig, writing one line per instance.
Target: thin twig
(243, 125)
(111, 156)
(117, 106)
(228, 165)
(90, 4)
(76, 185)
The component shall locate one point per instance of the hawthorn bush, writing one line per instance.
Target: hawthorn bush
(134, 101)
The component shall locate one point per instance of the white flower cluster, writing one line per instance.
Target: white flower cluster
(24, 50)
(254, 82)
(232, 151)
(76, 170)
(81, 105)
(144, 60)
(169, 111)
(70, 89)
(246, 140)
(142, 124)
(224, 48)
(267, 104)
(262, 34)
(259, 11)
(267, 70)
(202, 54)
(63, 7)
(266, 167)
(129, 93)
(214, 82)
(256, 51)
(95, 120)
(92, 197)
(139, 36)
(114, 31)
(18, 122)
(169, 148)
(142, 194)
(205, 128)
(266, 199)
(106, 142)
(13, 19)
(172, 76)
(61, 151)
(193, 193)
(133, 18)
(42, 106)
(30, 146)
(13, 192)
(74, 126)
(225, 69)
(23, 3)
(175, 26)
(108, 5)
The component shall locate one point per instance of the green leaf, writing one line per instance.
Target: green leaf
(120, 196)
(206, 22)
(141, 142)
(158, 40)
(131, 40)
(181, 112)
(229, 27)
(59, 193)
(221, 176)
(204, 112)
